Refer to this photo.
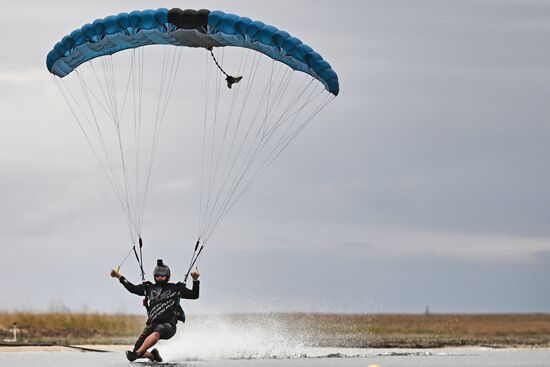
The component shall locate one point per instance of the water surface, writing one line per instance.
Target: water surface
(307, 357)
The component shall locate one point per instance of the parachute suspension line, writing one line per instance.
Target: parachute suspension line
(254, 120)
(111, 109)
(206, 215)
(134, 211)
(65, 92)
(206, 84)
(238, 123)
(138, 101)
(118, 120)
(284, 142)
(271, 158)
(260, 133)
(89, 92)
(104, 125)
(212, 144)
(136, 71)
(271, 128)
(224, 138)
(156, 122)
(168, 79)
(130, 209)
(215, 208)
(206, 186)
(137, 93)
(124, 260)
(110, 80)
(286, 116)
(194, 256)
(60, 84)
(112, 179)
(268, 89)
(273, 155)
(137, 97)
(250, 80)
(109, 162)
(197, 251)
(212, 177)
(227, 124)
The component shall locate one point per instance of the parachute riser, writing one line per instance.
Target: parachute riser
(194, 258)
(139, 258)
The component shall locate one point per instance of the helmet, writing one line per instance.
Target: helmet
(162, 269)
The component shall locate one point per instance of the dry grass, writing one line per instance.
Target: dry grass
(72, 328)
(496, 330)
(315, 329)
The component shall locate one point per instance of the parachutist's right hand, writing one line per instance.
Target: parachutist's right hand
(195, 275)
(115, 274)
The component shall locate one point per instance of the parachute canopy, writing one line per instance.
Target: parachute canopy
(121, 98)
(191, 28)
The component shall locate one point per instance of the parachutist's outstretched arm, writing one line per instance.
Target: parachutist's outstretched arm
(132, 288)
(194, 292)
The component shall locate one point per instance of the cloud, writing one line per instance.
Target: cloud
(436, 148)
(23, 76)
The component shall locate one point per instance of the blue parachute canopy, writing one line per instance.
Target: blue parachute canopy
(191, 28)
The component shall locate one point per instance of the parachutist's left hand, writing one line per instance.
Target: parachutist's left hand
(195, 275)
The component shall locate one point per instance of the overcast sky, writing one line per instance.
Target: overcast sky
(424, 183)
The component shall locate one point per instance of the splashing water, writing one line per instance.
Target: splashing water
(233, 337)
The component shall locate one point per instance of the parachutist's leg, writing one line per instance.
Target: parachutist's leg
(151, 340)
(139, 342)
(146, 332)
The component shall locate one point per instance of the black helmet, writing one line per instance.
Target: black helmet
(162, 269)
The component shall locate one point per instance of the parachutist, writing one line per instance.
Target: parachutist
(163, 310)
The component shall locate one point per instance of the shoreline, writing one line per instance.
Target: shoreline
(63, 348)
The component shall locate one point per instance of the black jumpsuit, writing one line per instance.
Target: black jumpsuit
(163, 306)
